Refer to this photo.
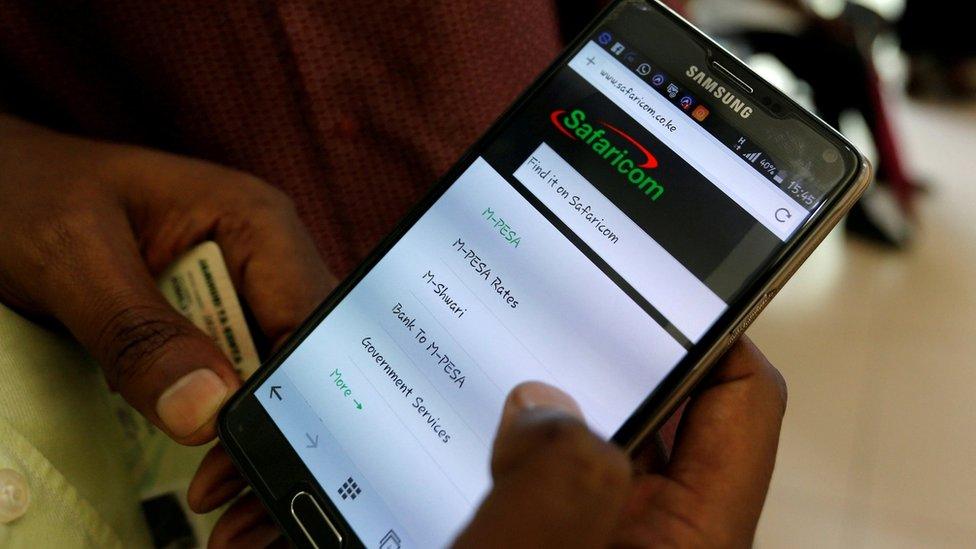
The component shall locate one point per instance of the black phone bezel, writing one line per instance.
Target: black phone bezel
(274, 469)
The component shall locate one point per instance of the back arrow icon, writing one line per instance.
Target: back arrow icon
(274, 392)
(312, 442)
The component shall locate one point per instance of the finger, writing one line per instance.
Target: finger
(275, 265)
(215, 483)
(537, 399)
(529, 396)
(556, 484)
(727, 440)
(164, 366)
(270, 256)
(245, 524)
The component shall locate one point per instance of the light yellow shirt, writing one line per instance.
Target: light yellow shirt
(58, 433)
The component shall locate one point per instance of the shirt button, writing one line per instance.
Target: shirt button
(14, 495)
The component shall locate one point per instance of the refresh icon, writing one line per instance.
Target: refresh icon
(782, 215)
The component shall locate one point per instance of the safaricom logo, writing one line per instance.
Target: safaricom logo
(617, 154)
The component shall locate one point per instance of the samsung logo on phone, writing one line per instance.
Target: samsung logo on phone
(711, 86)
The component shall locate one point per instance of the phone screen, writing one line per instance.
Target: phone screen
(590, 245)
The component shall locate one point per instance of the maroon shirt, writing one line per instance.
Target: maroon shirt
(354, 108)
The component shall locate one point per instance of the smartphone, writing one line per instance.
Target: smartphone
(611, 235)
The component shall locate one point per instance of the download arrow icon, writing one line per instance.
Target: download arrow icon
(312, 442)
(359, 405)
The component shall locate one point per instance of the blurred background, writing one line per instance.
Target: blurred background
(877, 332)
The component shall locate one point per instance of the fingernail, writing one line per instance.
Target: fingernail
(191, 402)
(535, 395)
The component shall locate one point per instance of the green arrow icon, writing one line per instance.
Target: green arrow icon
(359, 405)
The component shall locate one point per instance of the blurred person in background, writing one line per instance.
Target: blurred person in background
(295, 135)
(829, 45)
(942, 62)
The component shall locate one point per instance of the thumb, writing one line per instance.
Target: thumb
(556, 484)
(165, 367)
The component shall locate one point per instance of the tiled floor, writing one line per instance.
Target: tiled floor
(879, 350)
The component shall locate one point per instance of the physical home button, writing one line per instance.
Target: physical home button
(314, 523)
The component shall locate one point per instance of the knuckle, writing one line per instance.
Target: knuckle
(132, 341)
(57, 243)
(276, 207)
(263, 197)
(251, 222)
(248, 215)
(279, 200)
(63, 226)
(55, 236)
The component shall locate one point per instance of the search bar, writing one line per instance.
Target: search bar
(665, 283)
(723, 168)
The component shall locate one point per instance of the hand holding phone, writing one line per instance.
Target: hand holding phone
(557, 484)
(612, 235)
(711, 491)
